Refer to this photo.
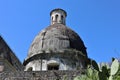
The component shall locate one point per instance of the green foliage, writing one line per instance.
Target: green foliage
(105, 73)
(91, 74)
(95, 65)
(115, 70)
(65, 77)
(114, 67)
(82, 77)
(117, 75)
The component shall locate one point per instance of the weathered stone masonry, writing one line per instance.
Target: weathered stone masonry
(40, 75)
(56, 53)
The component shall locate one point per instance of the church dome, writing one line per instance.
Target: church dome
(56, 37)
(56, 47)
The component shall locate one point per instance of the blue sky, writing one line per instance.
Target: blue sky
(96, 21)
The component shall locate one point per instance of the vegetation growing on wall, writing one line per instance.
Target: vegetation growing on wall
(94, 72)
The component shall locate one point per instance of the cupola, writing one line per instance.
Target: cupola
(58, 16)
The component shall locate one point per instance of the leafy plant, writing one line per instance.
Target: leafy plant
(65, 77)
(93, 72)
(115, 70)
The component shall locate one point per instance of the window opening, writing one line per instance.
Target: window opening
(56, 18)
(62, 20)
(53, 67)
(30, 69)
(52, 18)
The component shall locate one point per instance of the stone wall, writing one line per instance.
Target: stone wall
(7, 54)
(40, 75)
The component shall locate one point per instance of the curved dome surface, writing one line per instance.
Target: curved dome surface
(56, 37)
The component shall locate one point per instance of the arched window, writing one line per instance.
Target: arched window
(53, 66)
(52, 18)
(30, 69)
(62, 19)
(56, 18)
